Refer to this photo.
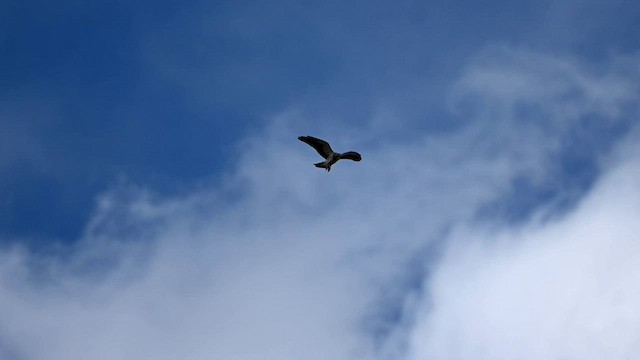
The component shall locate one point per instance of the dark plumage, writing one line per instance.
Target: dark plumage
(324, 149)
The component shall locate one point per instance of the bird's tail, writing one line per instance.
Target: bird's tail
(321, 165)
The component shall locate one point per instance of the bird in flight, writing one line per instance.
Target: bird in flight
(324, 149)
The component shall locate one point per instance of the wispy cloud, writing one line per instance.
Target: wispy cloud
(276, 260)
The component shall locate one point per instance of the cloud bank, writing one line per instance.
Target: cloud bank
(560, 289)
(391, 258)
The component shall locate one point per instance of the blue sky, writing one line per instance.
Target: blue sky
(151, 92)
(152, 183)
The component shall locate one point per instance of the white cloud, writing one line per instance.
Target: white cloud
(560, 88)
(281, 261)
(564, 289)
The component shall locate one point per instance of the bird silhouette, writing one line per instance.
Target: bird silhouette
(324, 149)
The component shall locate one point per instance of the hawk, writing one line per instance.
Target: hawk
(324, 149)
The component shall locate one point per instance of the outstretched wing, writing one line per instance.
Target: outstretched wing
(321, 146)
(351, 155)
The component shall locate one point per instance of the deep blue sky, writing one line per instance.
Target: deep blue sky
(159, 93)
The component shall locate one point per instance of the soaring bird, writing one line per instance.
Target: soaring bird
(324, 149)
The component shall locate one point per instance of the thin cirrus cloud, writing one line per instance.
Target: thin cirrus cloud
(390, 258)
